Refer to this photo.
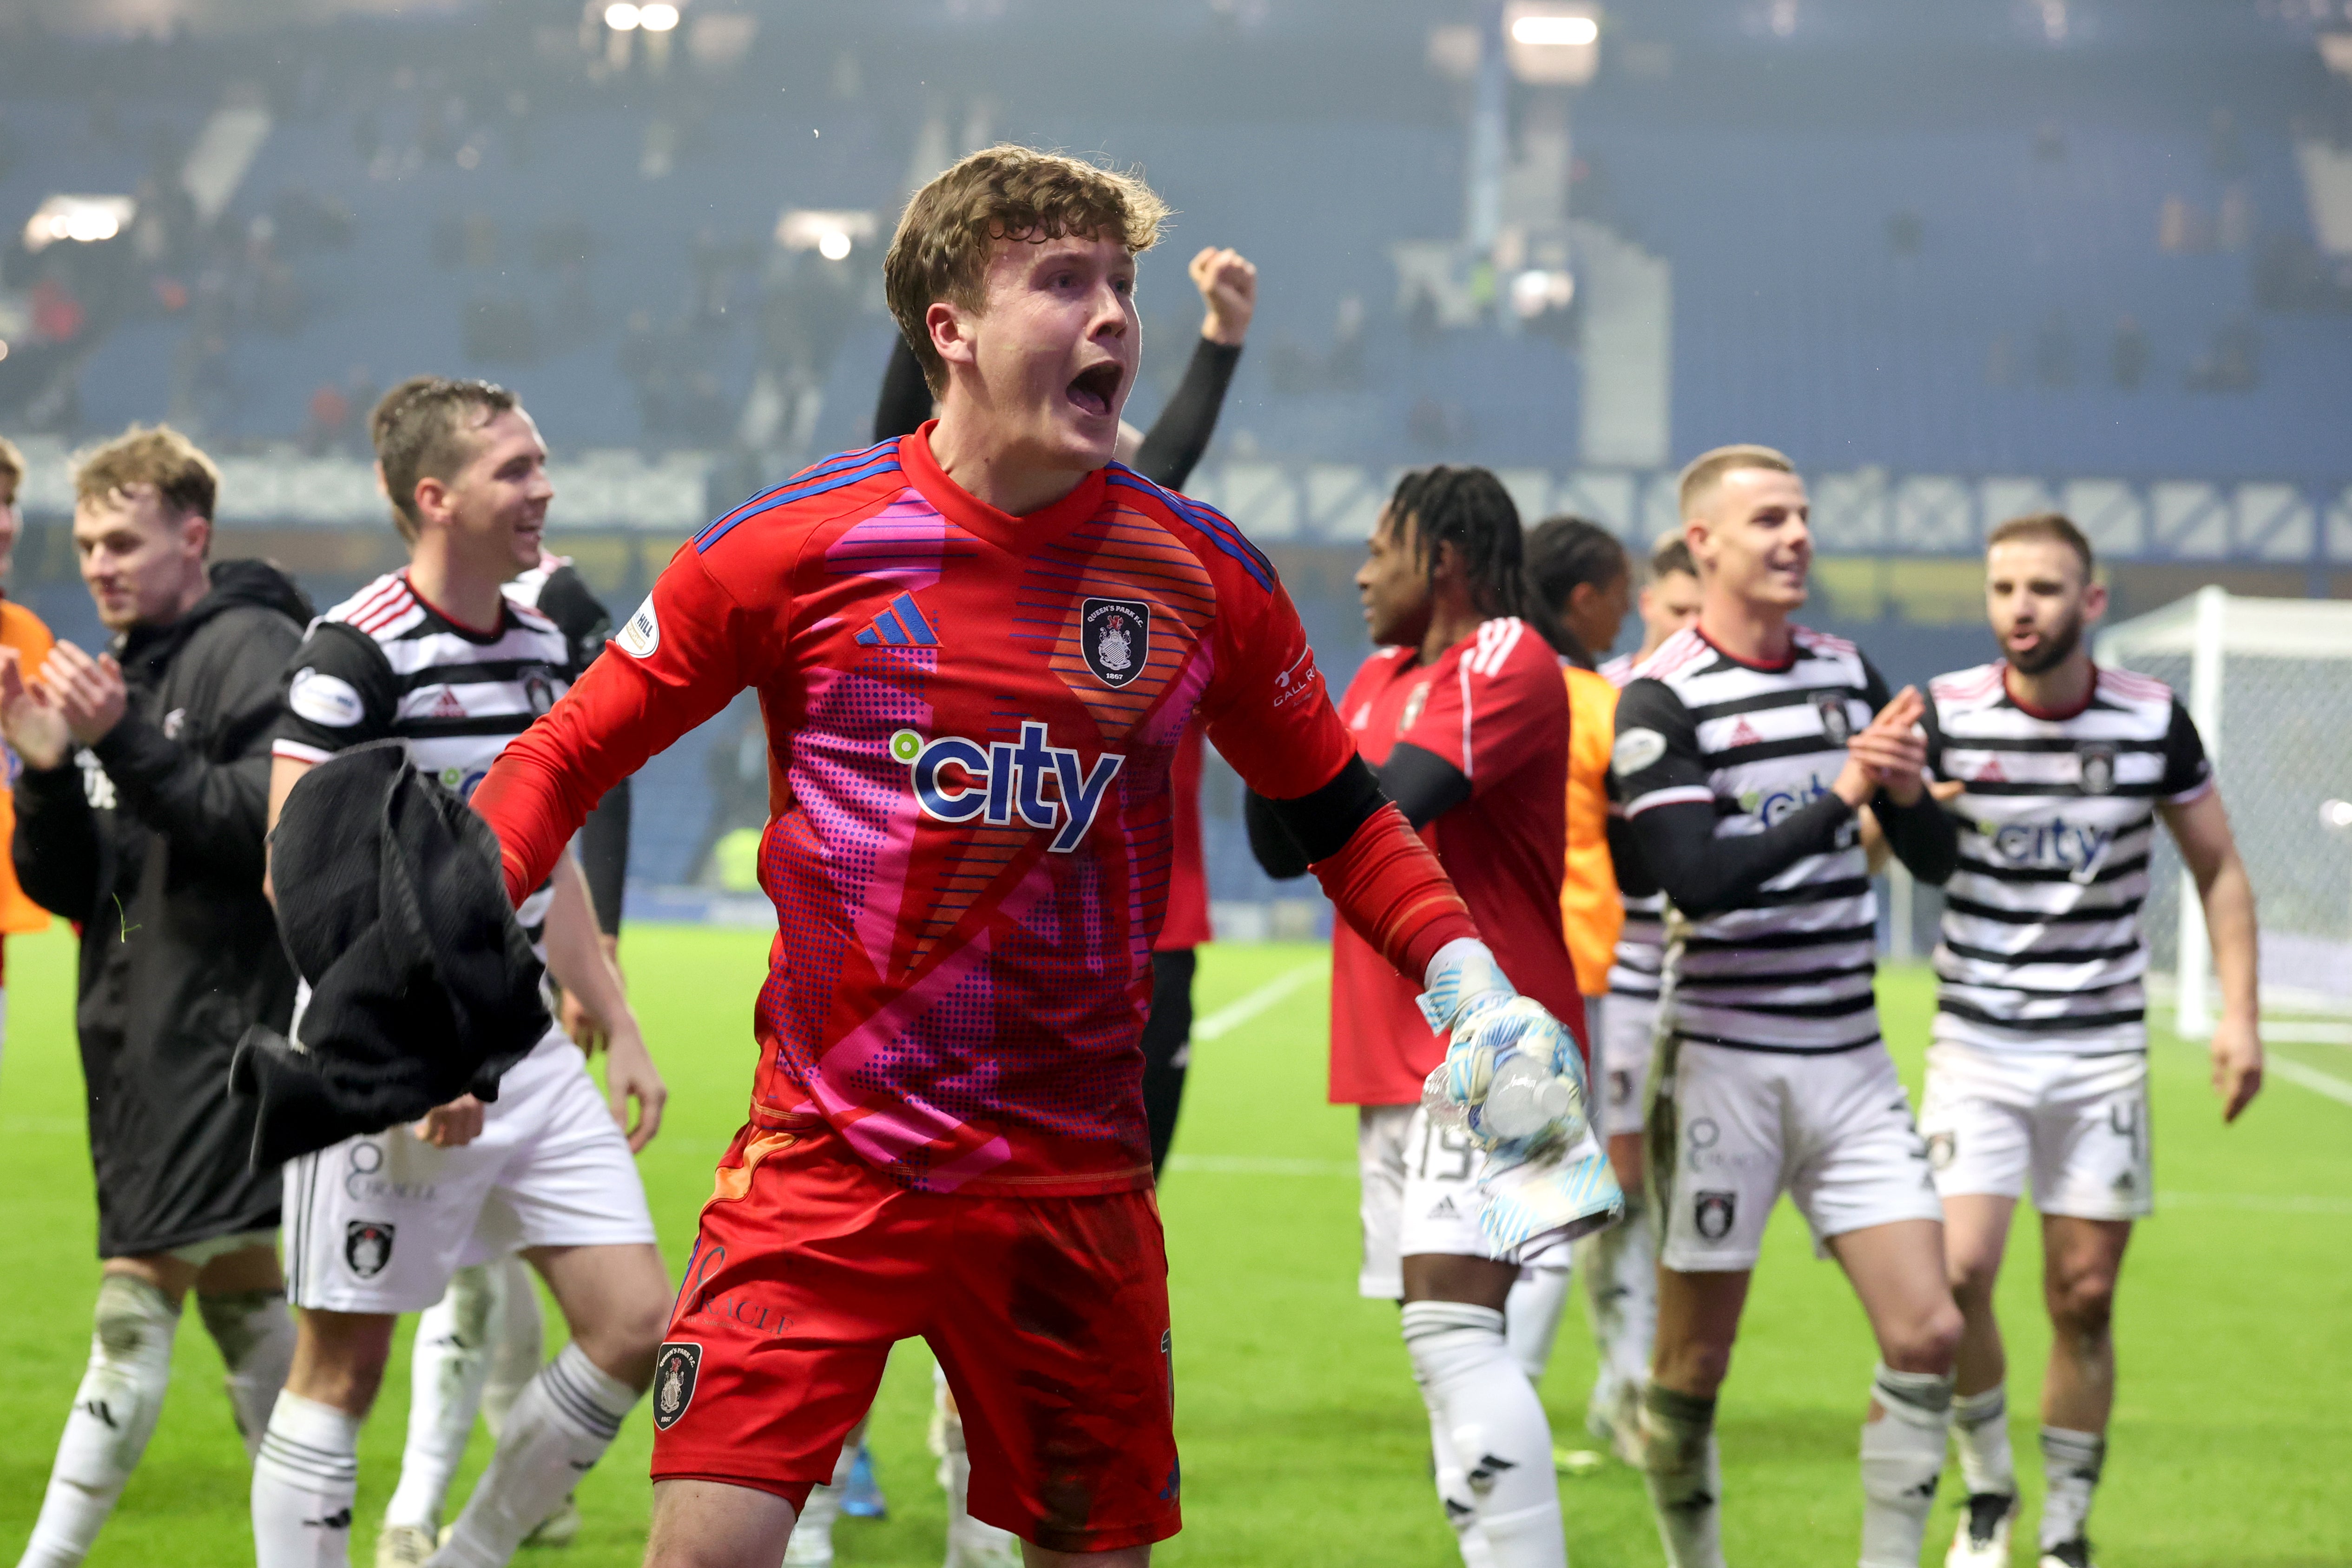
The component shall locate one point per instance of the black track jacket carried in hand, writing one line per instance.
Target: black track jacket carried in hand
(153, 840)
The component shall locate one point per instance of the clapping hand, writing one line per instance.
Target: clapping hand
(1890, 754)
(89, 691)
(30, 718)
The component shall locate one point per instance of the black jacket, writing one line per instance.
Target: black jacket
(151, 839)
(423, 986)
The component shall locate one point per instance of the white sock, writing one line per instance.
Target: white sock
(1454, 1493)
(517, 1338)
(1902, 1456)
(811, 1545)
(1981, 1426)
(1531, 1317)
(1620, 1287)
(972, 1542)
(559, 1426)
(113, 1415)
(446, 1368)
(1501, 1437)
(256, 1336)
(1684, 1475)
(304, 1479)
(2070, 1462)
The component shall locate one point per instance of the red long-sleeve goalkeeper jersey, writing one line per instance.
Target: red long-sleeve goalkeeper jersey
(972, 719)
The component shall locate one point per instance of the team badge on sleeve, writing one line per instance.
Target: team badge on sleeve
(1116, 636)
(1635, 750)
(324, 699)
(674, 1372)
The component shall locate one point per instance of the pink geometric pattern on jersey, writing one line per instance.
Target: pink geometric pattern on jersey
(854, 792)
(904, 543)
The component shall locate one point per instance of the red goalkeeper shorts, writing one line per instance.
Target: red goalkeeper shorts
(1048, 1315)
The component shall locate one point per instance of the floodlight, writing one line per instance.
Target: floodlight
(2336, 814)
(829, 233)
(833, 244)
(1537, 291)
(85, 219)
(1573, 32)
(623, 17)
(657, 17)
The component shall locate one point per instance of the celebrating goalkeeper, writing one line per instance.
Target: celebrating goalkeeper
(1482, 1166)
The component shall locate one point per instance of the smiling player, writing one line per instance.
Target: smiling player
(2039, 1067)
(975, 649)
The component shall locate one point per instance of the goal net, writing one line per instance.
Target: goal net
(2269, 682)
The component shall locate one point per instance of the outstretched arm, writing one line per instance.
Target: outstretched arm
(2202, 828)
(1228, 286)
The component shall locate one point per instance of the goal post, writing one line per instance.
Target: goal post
(2269, 683)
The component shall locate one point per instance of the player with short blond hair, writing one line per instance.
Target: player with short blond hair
(976, 649)
(1745, 747)
(2058, 771)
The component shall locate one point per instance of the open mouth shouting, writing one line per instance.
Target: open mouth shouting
(1095, 390)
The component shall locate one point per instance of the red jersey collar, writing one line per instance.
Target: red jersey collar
(1018, 535)
(2090, 695)
(1784, 665)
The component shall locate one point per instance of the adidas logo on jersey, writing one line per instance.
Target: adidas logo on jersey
(900, 626)
(960, 780)
(447, 705)
(1743, 734)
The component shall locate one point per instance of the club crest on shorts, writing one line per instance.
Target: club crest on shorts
(1837, 728)
(675, 1366)
(2098, 762)
(1941, 1146)
(367, 1246)
(1713, 1211)
(1116, 634)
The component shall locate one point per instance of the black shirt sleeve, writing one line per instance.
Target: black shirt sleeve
(55, 848)
(1424, 785)
(906, 400)
(1180, 435)
(340, 692)
(586, 624)
(1657, 771)
(2187, 769)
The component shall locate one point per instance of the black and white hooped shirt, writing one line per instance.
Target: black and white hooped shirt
(385, 664)
(1790, 969)
(2042, 948)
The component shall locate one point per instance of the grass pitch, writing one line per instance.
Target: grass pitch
(1303, 1441)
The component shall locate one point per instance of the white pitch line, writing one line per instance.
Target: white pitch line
(1234, 1014)
(2310, 1078)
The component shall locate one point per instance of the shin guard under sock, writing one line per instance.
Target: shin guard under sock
(1501, 1437)
(559, 1427)
(113, 1415)
(256, 1336)
(1902, 1455)
(304, 1479)
(1531, 1317)
(1684, 1475)
(1980, 1432)
(2070, 1463)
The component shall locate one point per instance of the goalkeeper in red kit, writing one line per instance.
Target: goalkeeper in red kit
(976, 649)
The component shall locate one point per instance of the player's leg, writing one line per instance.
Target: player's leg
(714, 1524)
(116, 1406)
(614, 1301)
(2093, 1176)
(1167, 1047)
(1531, 1317)
(2080, 1261)
(1620, 1263)
(308, 1472)
(1714, 1153)
(1049, 1317)
(972, 1542)
(1493, 1438)
(450, 1360)
(1975, 1119)
(241, 1300)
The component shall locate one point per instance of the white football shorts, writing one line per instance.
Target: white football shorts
(379, 1224)
(1420, 1196)
(2075, 1126)
(1624, 1036)
(1832, 1132)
